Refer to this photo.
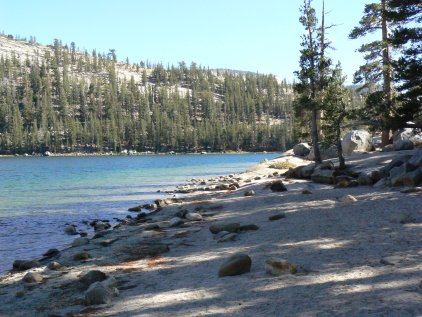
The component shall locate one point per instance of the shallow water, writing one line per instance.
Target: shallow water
(39, 195)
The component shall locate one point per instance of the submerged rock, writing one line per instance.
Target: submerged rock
(81, 256)
(235, 265)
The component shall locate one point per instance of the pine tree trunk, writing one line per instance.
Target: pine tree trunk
(387, 72)
(315, 136)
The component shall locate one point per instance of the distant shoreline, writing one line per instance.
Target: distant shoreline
(80, 154)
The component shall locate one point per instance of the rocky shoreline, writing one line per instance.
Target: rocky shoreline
(236, 244)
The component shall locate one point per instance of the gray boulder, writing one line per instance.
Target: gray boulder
(250, 193)
(326, 153)
(403, 145)
(412, 179)
(98, 294)
(323, 176)
(402, 136)
(33, 277)
(397, 174)
(356, 141)
(416, 159)
(23, 265)
(301, 149)
(92, 277)
(232, 227)
(235, 265)
(71, 229)
(175, 222)
(365, 179)
(80, 241)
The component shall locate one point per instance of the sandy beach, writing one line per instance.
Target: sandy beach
(359, 257)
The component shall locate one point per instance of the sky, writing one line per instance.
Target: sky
(260, 36)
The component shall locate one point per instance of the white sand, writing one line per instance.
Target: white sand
(359, 259)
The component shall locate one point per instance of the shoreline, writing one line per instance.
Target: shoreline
(341, 248)
(80, 154)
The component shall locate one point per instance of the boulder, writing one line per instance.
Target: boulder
(412, 179)
(365, 179)
(227, 237)
(81, 256)
(80, 241)
(232, 227)
(101, 226)
(71, 229)
(405, 135)
(193, 216)
(356, 141)
(323, 176)
(348, 199)
(98, 294)
(33, 277)
(54, 266)
(92, 277)
(175, 222)
(301, 149)
(326, 153)
(250, 227)
(397, 173)
(403, 145)
(23, 265)
(51, 252)
(279, 267)
(416, 159)
(278, 186)
(250, 193)
(277, 217)
(135, 209)
(237, 264)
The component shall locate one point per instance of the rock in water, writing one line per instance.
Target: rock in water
(71, 229)
(349, 199)
(278, 186)
(232, 227)
(92, 277)
(237, 264)
(23, 265)
(33, 277)
(80, 241)
(98, 294)
(250, 193)
(51, 252)
(279, 267)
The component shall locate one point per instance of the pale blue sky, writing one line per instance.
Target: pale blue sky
(261, 36)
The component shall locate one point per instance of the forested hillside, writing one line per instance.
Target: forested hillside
(60, 99)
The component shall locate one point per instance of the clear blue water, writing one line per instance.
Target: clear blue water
(39, 195)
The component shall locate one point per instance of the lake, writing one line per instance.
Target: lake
(40, 195)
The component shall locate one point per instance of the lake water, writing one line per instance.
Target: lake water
(39, 195)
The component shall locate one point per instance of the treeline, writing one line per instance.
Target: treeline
(63, 100)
